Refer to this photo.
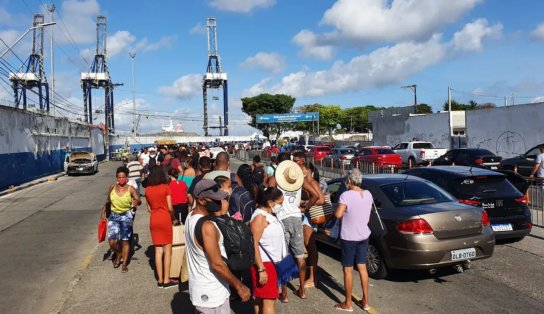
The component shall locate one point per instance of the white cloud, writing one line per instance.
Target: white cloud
(383, 66)
(310, 46)
(121, 41)
(241, 6)
(5, 17)
(164, 42)
(267, 61)
(358, 23)
(186, 87)
(538, 32)
(198, 29)
(77, 22)
(471, 36)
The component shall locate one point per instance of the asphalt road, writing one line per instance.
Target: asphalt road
(50, 262)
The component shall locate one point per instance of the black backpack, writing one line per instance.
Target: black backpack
(237, 239)
(258, 175)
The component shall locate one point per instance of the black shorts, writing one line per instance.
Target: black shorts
(181, 211)
(354, 252)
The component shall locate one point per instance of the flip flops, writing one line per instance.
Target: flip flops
(342, 307)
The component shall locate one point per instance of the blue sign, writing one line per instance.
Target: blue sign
(287, 117)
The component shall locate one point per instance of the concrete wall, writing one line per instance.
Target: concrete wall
(393, 129)
(506, 131)
(32, 144)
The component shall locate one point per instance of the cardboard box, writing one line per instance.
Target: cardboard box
(178, 234)
(177, 261)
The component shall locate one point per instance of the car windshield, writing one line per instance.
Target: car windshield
(481, 152)
(385, 151)
(408, 193)
(423, 145)
(484, 187)
(347, 151)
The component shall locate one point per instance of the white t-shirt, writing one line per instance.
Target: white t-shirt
(206, 289)
(540, 171)
(145, 158)
(273, 239)
(291, 204)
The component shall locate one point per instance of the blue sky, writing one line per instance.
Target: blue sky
(345, 52)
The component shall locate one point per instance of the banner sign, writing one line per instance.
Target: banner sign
(287, 117)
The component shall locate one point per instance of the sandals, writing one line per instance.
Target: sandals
(124, 269)
(361, 305)
(343, 307)
(116, 264)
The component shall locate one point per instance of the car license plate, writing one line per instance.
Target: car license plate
(502, 227)
(493, 167)
(464, 254)
(80, 169)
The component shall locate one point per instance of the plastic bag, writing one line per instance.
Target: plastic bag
(102, 229)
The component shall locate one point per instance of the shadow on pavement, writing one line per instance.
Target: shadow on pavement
(150, 253)
(181, 303)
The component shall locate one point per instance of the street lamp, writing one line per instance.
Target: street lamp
(414, 88)
(132, 56)
(28, 31)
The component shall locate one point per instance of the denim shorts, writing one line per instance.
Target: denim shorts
(120, 226)
(354, 252)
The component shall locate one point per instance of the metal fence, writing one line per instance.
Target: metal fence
(535, 193)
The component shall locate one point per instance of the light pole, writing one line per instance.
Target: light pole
(414, 88)
(51, 10)
(132, 56)
(21, 37)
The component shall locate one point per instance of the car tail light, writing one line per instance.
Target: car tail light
(343, 157)
(479, 161)
(422, 154)
(414, 226)
(470, 202)
(485, 219)
(523, 200)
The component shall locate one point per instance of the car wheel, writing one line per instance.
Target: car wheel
(411, 162)
(375, 263)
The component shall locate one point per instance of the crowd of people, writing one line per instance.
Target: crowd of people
(268, 208)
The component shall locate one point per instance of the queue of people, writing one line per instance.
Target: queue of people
(271, 204)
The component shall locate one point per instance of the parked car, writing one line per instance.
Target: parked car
(474, 157)
(381, 157)
(318, 152)
(216, 150)
(418, 153)
(81, 163)
(417, 225)
(506, 205)
(339, 156)
(523, 163)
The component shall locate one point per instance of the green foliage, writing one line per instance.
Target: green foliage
(267, 104)
(424, 108)
(472, 105)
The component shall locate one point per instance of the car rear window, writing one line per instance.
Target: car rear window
(323, 149)
(347, 151)
(385, 152)
(481, 152)
(484, 187)
(408, 193)
(423, 145)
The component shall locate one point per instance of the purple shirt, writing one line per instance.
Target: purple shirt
(355, 219)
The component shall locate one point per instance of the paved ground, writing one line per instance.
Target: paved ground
(50, 262)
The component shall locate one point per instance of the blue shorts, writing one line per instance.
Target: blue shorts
(354, 252)
(120, 226)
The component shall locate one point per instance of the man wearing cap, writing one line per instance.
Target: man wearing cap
(289, 178)
(209, 276)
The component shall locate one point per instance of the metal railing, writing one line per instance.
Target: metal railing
(535, 195)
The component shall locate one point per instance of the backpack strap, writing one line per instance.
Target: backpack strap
(198, 230)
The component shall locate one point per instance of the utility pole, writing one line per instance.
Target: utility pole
(449, 113)
(220, 127)
(351, 125)
(51, 9)
(132, 56)
(414, 89)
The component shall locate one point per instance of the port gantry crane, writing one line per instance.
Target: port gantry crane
(215, 78)
(34, 73)
(99, 77)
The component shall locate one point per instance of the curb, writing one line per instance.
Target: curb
(32, 183)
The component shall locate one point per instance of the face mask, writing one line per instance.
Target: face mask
(277, 208)
(122, 181)
(213, 207)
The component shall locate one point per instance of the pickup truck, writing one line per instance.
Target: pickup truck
(418, 153)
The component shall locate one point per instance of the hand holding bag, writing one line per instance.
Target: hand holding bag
(319, 214)
(286, 269)
(102, 228)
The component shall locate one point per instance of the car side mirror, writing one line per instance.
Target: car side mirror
(529, 156)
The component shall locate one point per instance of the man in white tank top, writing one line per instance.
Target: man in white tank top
(209, 276)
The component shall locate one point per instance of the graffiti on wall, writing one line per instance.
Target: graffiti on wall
(438, 140)
(506, 144)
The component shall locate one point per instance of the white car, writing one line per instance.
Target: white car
(81, 163)
(216, 150)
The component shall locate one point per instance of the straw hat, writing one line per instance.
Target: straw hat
(289, 176)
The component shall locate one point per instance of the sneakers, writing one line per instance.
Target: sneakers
(171, 284)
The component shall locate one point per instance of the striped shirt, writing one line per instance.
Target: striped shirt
(135, 170)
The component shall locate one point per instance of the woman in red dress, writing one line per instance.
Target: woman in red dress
(159, 204)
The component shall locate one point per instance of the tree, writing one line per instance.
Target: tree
(487, 105)
(267, 104)
(356, 118)
(329, 117)
(424, 108)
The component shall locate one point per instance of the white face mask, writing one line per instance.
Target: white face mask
(276, 208)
